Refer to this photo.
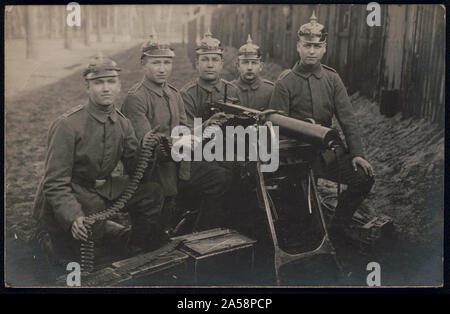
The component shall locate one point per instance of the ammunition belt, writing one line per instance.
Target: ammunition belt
(150, 144)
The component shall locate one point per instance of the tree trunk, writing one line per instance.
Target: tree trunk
(31, 28)
(68, 32)
(169, 22)
(86, 24)
(114, 21)
(98, 23)
(50, 21)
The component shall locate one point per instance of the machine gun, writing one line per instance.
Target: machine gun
(313, 134)
(308, 136)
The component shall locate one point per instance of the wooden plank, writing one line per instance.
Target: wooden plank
(419, 62)
(408, 63)
(437, 66)
(202, 235)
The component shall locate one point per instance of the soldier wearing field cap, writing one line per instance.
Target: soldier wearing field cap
(154, 104)
(254, 92)
(209, 87)
(315, 92)
(84, 147)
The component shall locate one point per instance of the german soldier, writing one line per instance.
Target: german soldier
(209, 87)
(254, 92)
(155, 104)
(315, 92)
(84, 147)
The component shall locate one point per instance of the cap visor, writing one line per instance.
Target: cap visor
(92, 76)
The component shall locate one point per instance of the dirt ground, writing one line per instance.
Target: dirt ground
(407, 155)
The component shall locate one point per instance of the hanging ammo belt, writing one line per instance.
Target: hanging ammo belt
(150, 143)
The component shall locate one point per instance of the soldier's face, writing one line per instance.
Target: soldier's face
(158, 69)
(310, 53)
(104, 91)
(209, 66)
(249, 68)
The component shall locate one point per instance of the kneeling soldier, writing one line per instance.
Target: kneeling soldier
(254, 92)
(84, 147)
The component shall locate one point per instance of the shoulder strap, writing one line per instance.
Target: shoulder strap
(268, 82)
(284, 74)
(134, 88)
(72, 111)
(329, 68)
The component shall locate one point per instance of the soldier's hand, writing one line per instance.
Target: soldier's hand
(359, 161)
(79, 231)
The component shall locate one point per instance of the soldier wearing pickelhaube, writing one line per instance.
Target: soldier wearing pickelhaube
(209, 87)
(84, 147)
(315, 92)
(197, 96)
(254, 92)
(154, 104)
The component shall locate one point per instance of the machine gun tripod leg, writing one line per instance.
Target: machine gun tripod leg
(281, 257)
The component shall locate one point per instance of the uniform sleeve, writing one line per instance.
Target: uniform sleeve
(280, 98)
(346, 118)
(136, 111)
(130, 150)
(182, 111)
(58, 174)
(236, 94)
(189, 107)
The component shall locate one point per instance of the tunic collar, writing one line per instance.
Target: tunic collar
(208, 87)
(305, 71)
(101, 113)
(157, 89)
(245, 86)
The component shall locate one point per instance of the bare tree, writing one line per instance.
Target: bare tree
(86, 24)
(169, 22)
(68, 32)
(31, 35)
(98, 22)
(114, 21)
(50, 21)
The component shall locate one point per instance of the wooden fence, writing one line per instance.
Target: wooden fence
(406, 54)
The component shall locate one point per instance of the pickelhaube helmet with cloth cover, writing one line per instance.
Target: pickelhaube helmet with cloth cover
(249, 50)
(100, 67)
(312, 32)
(156, 48)
(209, 45)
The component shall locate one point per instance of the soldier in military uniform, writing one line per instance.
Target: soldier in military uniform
(254, 92)
(315, 92)
(84, 147)
(209, 87)
(154, 104)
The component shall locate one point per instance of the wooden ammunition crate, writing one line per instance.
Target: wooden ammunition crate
(219, 257)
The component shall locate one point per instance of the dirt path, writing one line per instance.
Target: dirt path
(407, 156)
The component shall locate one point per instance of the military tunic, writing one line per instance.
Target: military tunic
(317, 93)
(153, 107)
(84, 147)
(255, 96)
(197, 94)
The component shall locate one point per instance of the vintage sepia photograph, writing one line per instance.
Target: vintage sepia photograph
(224, 145)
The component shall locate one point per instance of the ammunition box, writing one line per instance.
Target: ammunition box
(219, 257)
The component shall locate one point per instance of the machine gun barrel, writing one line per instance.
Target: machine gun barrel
(313, 134)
